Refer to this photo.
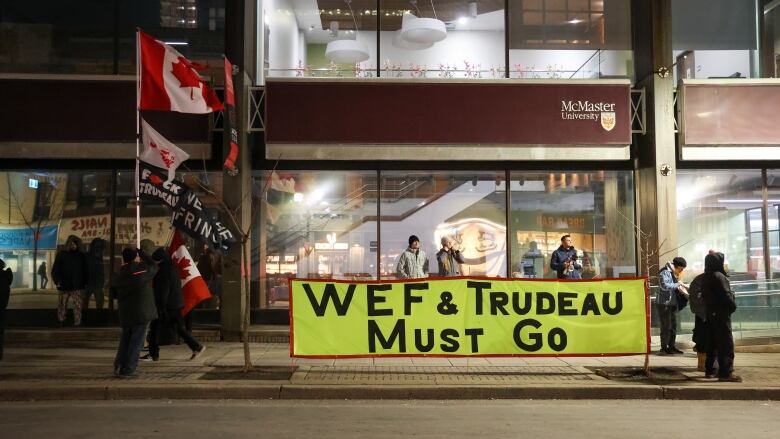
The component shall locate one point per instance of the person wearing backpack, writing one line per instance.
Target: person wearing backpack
(720, 304)
(701, 330)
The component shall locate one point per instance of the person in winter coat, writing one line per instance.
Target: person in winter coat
(667, 303)
(412, 264)
(448, 258)
(70, 275)
(6, 278)
(169, 300)
(96, 277)
(564, 260)
(133, 285)
(720, 304)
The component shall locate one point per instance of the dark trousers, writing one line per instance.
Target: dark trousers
(667, 315)
(93, 291)
(130, 344)
(177, 321)
(44, 281)
(722, 347)
(2, 331)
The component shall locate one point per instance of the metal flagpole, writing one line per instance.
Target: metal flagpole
(137, 137)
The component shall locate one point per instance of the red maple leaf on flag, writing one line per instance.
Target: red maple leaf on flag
(183, 264)
(186, 75)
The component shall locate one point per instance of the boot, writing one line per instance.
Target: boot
(702, 358)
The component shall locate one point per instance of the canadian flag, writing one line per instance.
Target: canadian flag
(194, 288)
(160, 152)
(170, 82)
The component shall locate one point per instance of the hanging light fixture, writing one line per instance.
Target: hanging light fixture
(423, 30)
(401, 43)
(347, 51)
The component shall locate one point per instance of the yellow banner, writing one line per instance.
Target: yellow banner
(468, 317)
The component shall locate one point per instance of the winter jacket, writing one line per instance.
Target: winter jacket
(718, 297)
(667, 286)
(558, 262)
(70, 271)
(134, 291)
(96, 277)
(167, 284)
(6, 278)
(448, 262)
(412, 264)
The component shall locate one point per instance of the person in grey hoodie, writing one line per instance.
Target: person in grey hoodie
(412, 264)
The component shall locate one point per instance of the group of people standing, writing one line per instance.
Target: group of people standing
(413, 263)
(78, 276)
(712, 302)
(148, 289)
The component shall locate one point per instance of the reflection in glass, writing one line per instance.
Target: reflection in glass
(595, 208)
(313, 224)
(469, 207)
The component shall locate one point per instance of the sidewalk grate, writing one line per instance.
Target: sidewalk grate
(440, 375)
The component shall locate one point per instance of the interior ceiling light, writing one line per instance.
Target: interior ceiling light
(347, 51)
(423, 30)
(401, 43)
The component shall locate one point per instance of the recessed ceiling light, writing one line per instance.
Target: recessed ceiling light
(575, 21)
(463, 20)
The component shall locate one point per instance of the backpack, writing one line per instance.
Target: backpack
(696, 298)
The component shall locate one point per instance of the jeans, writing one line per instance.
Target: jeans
(44, 281)
(668, 318)
(130, 344)
(176, 319)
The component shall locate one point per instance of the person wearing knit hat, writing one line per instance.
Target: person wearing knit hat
(412, 264)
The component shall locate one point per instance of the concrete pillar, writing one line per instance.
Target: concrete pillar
(237, 191)
(656, 165)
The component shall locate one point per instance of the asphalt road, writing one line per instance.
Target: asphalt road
(386, 419)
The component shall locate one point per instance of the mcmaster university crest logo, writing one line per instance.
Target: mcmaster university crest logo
(608, 120)
(590, 111)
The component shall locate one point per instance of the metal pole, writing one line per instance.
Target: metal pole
(137, 137)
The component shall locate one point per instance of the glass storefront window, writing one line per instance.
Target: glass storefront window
(721, 210)
(715, 38)
(563, 39)
(773, 187)
(468, 207)
(313, 224)
(51, 206)
(595, 208)
(472, 44)
(98, 37)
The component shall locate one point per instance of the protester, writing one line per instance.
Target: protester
(70, 274)
(136, 308)
(449, 258)
(412, 264)
(44, 276)
(6, 278)
(701, 332)
(170, 301)
(96, 278)
(720, 304)
(564, 260)
(668, 302)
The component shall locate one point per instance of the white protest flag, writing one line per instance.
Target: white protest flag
(158, 151)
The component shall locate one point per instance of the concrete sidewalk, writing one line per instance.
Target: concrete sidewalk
(83, 371)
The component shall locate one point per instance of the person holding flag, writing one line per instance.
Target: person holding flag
(170, 301)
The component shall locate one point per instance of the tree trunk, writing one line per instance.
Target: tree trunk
(247, 298)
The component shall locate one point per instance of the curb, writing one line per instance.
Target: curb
(19, 392)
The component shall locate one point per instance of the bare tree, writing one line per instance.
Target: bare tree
(36, 215)
(244, 236)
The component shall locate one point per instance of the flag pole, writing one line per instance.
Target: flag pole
(137, 137)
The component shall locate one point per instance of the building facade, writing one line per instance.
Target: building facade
(644, 129)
